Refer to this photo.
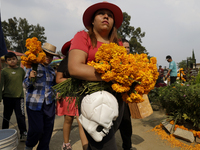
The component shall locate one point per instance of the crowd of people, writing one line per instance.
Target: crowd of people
(164, 74)
(101, 21)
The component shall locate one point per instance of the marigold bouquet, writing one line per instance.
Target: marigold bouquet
(132, 74)
(181, 74)
(34, 55)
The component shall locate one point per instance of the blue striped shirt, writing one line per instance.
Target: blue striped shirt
(41, 90)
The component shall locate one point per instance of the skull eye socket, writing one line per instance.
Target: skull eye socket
(99, 128)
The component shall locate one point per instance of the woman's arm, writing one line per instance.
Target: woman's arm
(79, 69)
(59, 77)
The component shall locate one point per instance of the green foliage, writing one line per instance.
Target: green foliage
(77, 88)
(182, 64)
(180, 101)
(193, 55)
(135, 35)
(197, 79)
(189, 77)
(16, 31)
(191, 61)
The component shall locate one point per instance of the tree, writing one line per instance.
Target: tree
(17, 31)
(135, 35)
(182, 64)
(193, 55)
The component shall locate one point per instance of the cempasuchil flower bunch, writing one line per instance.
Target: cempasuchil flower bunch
(34, 55)
(180, 74)
(132, 74)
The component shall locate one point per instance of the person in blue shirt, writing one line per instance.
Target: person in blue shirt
(40, 102)
(172, 70)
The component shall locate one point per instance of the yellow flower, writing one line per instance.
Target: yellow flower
(41, 57)
(130, 72)
(139, 89)
(24, 58)
(27, 53)
(26, 64)
(34, 54)
(153, 60)
(120, 88)
(32, 58)
(108, 76)
(136, 98)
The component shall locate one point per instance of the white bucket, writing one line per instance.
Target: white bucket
(8, 139)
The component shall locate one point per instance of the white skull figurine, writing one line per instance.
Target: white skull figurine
(98, 111)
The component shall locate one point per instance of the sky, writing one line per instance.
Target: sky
(172, 27)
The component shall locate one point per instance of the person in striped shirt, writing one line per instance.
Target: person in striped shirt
(40, 102)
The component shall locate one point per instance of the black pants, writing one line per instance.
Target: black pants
(172, 79)
(41, 125)
(16, 104)
(126, 129)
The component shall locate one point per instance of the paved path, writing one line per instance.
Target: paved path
(142, 139)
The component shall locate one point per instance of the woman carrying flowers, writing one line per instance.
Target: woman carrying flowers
(101, 20)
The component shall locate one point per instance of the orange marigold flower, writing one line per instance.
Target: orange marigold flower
(32, 57)
(153, 60)
(41, 57)
(27, 53)
(136, 98)
(113, 62)
(108, 76)
(120, 88)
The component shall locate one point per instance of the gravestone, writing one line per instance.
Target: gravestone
(194, 72)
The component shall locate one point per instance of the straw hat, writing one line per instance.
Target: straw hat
(66, 47)
(49, 48)
(89, 12)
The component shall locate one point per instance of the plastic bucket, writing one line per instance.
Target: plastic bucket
(8, 139)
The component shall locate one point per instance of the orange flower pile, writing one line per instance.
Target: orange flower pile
(195, 133)
(34, 55)
(172, 140)
(132, 75)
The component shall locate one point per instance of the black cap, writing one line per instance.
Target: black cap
(168, 57)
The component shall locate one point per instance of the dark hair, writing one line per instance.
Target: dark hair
(168, 57)
(64, 62)
(10, 55)
(125, 40)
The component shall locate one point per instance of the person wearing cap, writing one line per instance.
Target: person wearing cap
(101, 21)
(65, 108)
(40, 102)
(172, 70)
